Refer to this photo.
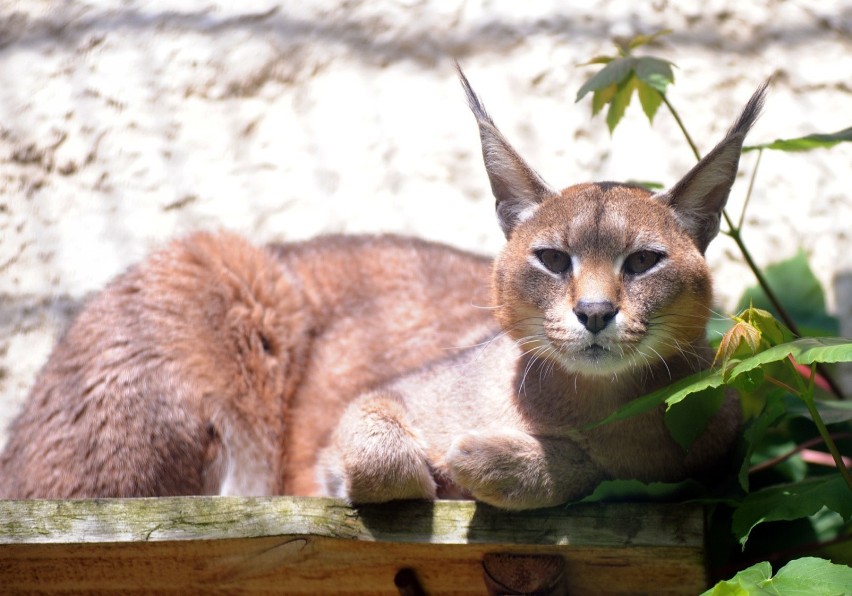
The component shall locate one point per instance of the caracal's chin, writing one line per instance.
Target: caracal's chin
(608, 358)
(595, 360)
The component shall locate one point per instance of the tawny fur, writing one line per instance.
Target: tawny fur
(603, 295)
(337, 366)
(216, 367)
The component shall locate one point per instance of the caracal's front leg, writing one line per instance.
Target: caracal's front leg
(376, 455)
(513, 470)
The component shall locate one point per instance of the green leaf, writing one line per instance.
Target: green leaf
(656, 72)
(615, 82)
(598, 60)
(792, 501)
(636, 490)
(828, 525)
(805, 350)
(601, 97)
(717, 327)
(753, 331)
(620, 101)
(806, 143)
(671, 395)
(743, 339)
(646, 184)
(641, 40)
(612, 74)
(770, 329)
(743, 583)
(808, 576)
(785, 470)
(802, 296)
(650, 98)
(755, 431)
(687, 419)
(750, 381)
(831, 412)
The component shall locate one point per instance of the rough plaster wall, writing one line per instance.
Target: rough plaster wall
(124, 124)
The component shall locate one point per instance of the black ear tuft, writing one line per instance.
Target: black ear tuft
(699, 197)
(517, 188)
(751, 112)
(474, 103)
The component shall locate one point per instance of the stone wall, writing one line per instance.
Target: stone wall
(124, 124)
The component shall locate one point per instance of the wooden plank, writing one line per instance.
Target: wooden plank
(299, 545)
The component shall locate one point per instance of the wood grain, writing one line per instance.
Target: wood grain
(308, 546)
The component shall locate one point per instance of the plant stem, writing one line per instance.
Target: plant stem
(735, 232)
(688, 138)
(771, 463)
(780, 384)
(829, 442)
(750, 188)
(736, 236)
(808, 397)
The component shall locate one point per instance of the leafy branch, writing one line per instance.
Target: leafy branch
(650, 76)
(615, 83)
(776, 371)
(755, 350)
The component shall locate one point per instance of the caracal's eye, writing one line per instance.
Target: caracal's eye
(641, 261)
(556, 261)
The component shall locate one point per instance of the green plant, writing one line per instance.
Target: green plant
(789, 497)
(808, 575)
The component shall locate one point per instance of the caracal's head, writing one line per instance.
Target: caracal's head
(605, 277)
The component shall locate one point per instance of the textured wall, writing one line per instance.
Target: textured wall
(124, 124)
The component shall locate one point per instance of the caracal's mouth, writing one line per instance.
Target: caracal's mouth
(602, 359)
(594, 358)
(595, 351)
(603, 354)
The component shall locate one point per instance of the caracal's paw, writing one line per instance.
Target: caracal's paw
(506, 469)
(376, 455)
(371, 475)
(387, 472)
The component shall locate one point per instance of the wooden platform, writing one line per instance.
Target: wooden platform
(289, 545)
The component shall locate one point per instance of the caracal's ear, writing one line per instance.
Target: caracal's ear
(517, 187)
(699, 197)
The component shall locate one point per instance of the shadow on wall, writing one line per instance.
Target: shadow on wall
(23, 313)
(20, 315)
(423, 44)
